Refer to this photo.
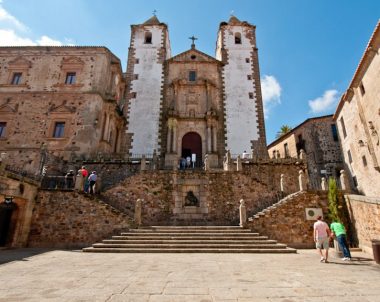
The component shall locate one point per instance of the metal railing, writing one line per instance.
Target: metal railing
(22, 173)
(57, 183)
(266, 203)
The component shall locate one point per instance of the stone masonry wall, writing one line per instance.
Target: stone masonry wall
(365, 218)
(316, 138)
(109, 173)
(156, 190)
(287, 223)
(32, 109)
(68, 219)
(258, 185)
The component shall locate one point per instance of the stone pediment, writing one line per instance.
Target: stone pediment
(20, 62)
(193, 55)
(63, 108)
(7, 108)
(72, 62)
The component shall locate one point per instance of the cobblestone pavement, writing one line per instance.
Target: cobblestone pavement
(43, 275)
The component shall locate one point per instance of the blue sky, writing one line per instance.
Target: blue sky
(308, 50)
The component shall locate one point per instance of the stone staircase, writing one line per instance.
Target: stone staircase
(189, 239)
(273, 207)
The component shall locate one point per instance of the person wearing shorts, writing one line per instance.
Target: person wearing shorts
(321, 237)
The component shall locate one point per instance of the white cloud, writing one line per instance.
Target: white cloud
(10, 26)
(46, 41)
(9, 20)
(324, 103)
(10, 38)
(271, 90)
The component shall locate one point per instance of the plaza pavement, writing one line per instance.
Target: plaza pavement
(61, 275)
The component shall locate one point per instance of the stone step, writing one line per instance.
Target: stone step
(190, 237)
(192, 245)
(207, 241)
(193, 233)
(186, 230)
(197, 228)
(188, 250)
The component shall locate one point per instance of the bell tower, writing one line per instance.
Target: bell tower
(149, 48)
(236, 48)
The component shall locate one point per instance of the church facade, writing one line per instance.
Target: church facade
(192, 104)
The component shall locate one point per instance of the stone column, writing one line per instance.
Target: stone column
(175, 90)
(209, 139)
(214, 140)
(239, 165)
(143, 163)
(208, 99)
(343, 180)
(169, 140)
(302, 180)
(175, 139)
(243, 214)
(138, 206)
(323, 184)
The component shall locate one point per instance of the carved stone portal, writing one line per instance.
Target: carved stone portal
(190, 197)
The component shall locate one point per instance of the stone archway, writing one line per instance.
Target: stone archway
(192, 144)
(6, 211)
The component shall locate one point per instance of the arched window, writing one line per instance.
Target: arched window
(148, 37)
(237, 38)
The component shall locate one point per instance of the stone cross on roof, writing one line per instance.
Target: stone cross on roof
(193, 39)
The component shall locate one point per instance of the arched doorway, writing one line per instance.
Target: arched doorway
(6, 211)
(192, 144)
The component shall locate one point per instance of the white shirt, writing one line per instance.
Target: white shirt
(320, 229)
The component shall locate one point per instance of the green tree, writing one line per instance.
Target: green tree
(334, 213)
(283, 130)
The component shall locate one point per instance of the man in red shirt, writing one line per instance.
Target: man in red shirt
(85, 182)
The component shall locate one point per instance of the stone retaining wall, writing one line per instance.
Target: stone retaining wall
(69, 219)
(287, 223)
(365, 218)
(219, 192)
